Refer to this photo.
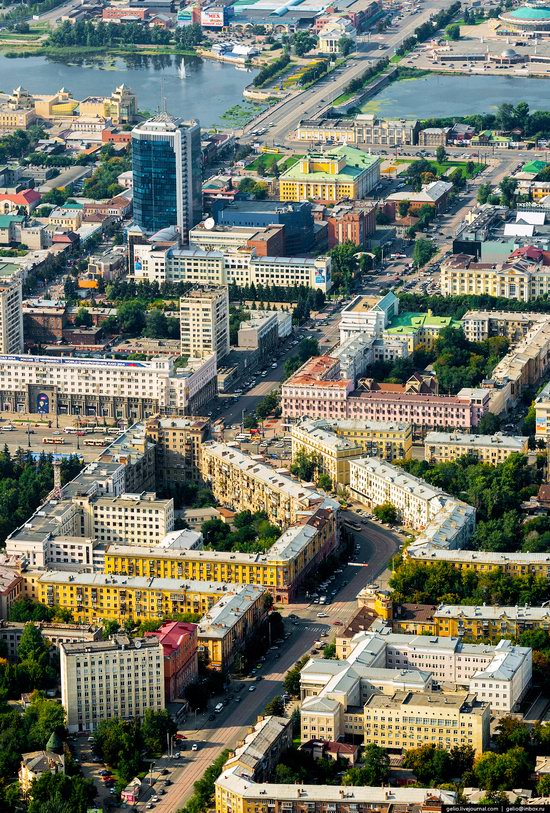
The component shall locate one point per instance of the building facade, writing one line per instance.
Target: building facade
(338, 174)
(462, 275)
(204, 322)
(166, 165)
(121, 677)
(177, 448)
(179, 646)
(444, 447)
(11, 317)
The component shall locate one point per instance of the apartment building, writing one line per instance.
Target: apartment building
(204, 322)
(11, 316)
(374, 482)
(480, 325)
(444, 447)
(121, 677)
(179, 648)
(123, 390)
(516, 563)
(223, 630)
(141, 518)
(55, 633)
(411, 719)
(236, 793)
(280, 570)
(241, 267)
(11, 588)
(92, 597)
(383, 662)
(330, 452)
(259, 752)
(389, 441)
(177, 448)
(239, 481)
(489, 622)
(542, 413)
(517, 279)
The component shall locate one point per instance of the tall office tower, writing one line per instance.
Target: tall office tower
(204, 322)
(166, 164)
(11, 316)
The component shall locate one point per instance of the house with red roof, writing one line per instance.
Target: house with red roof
(26, 199)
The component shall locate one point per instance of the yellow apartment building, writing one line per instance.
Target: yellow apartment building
(513, 564)
(177, 447)
(224, 628)
(336, 174)
(331, 453)
(384, 439)
(92, 597)
(280, 570)
(480, 623)
(411, 719)
(444, 447)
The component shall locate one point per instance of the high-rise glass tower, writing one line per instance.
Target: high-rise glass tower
(166, 165)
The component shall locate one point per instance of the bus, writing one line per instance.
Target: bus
(53, 440)
(94, 442)
(353, 525)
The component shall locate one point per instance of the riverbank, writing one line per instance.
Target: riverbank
(79, 51)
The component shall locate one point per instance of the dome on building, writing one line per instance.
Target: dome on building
(509, 53)
(529, 13)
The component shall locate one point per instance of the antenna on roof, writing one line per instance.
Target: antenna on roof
(162, 96)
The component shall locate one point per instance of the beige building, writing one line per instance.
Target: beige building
(204, 322)
(243, 483)
(66, 218)
(443, 447)
(16, 119)
(411, 719)
(462, 275)
(330, 452)
(140, 518)
(11, 317)
(121, 677)
(178, 443)
(542, 413)
(120, 106)
(222, 632)
(384, 439)
(35, 764)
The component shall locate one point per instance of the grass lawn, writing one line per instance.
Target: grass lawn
(268, 160)
(444, 166)
(345, 97)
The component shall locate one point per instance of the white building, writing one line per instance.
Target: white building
(127, 390)
(121, 677)
(204, 322)
(333, 31)
(222, 268)
(11, 316)
(140, 518)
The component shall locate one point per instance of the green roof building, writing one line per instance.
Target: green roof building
(342, 173)
(420, 329)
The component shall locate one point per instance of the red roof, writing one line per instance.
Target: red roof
(171, 634)
(22, 198)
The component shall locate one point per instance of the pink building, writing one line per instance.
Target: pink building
(316, 391)
(179, 644)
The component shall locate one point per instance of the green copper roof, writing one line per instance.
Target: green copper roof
(408, 323)
(535, 166)
(529, 13)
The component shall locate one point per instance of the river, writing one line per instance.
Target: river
(439, 95)
(209, 89)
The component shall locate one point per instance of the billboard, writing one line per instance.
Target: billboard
(541, 425)
(213, 17)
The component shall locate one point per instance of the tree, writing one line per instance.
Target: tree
(506, 771)
(130, 318)
(83, 318)
(511, 733)
(385, 512)
(329, 651)
(344, 265)
(304, 465)
(483, 192)
(156, 324)
(428, 763)
(275, 707)
(324, 482)
(488, 424)
(508, 188)
(303, 41)
(155, 727)
(292, 681)
(374, 770)
(403, 207)
(453, 31)
(440, 154)
(346, 45)
(59, 793)
(32, 644)
(382, 219)
(422, 252)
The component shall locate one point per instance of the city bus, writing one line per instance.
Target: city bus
(94, 442)
(53, 440)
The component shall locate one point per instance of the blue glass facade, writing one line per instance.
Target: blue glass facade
(155, 195)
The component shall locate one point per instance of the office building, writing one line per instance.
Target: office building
(295, 216)
(204, 322)
(112, 519)
(242, 267)
(330, 452)
(223, 630)
(341, 173)
(444, 447)
(177, 448)
(365, 128)
(382, 662)
(11, 316)
(411, 719)
(166, 166)
(368, 314)
(123, 390)
(121, 677)
(179, 646)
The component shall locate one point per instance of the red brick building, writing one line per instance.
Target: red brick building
(353, 221)
(179, 644)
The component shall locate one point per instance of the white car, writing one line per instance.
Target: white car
(251, 688)
(322, 615)
(194, 747)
